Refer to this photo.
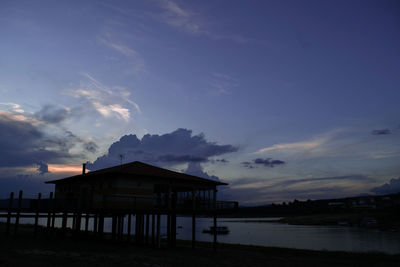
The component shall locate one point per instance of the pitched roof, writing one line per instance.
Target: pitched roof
(140, 169)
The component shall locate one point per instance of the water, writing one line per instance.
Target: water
(331, 238)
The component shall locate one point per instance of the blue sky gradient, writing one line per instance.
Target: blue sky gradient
(312, 84)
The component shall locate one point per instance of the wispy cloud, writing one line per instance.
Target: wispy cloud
(381, 132)
(135, 58)
(13, 107)
(186, 19)
(105, 100)
(311, 144)
(223, 83)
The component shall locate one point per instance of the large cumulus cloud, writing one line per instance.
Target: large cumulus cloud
(179, 146)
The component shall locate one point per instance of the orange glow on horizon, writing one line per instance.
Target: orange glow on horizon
(61, 168)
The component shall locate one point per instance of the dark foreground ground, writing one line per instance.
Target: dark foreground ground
(24, 250)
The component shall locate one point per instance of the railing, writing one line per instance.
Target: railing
(115, 203)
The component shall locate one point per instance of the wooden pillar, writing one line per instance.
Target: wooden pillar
(95, 224)
(153, 228)
(18, 212)
(121, 221)
(113, 227)
(158, 230)
(194, 219)
(37, 214)
(147, 227)
(49, 211)
(215, 218)
(169, 216)
(118, 233)
(64, 222)
(53, 208)
(129, 227)
(100, 229)
(173, 219)
(136, 228)
(10, 206)
(87, 217)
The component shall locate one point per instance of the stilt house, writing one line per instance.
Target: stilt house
(140, 189)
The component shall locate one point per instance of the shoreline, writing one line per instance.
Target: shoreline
(52, 250)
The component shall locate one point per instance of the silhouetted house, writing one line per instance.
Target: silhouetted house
(137, 189)
(135, 185)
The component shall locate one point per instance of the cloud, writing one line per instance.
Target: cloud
(268, 162)
(137, 63)
(108, 102)
(26, 140)
(195, 168)
(388, 188)
(52, 114)
(42, 168)
(223, 83)
(258, 190)
(290, 182)
(181, 158)
(16, 108)
(91, 146)
(179, 17)
(179, 146)
(185, 19)
(381, 132)
(296, 145)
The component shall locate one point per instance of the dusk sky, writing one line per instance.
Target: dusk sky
(280, 99)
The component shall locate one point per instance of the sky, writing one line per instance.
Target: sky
(282, 100)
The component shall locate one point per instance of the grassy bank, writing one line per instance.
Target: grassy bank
(24, 250)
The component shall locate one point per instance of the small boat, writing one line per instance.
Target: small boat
(221, 230)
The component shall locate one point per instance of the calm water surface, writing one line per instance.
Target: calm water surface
(332, 238)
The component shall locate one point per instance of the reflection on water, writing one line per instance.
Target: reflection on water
(277, 234)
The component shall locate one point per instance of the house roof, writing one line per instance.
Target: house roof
(139, 169)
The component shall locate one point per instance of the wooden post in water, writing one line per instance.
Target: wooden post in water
(158, 230)
(147, 227)
(173, 218)
(101, 225)
(129, 227)
(194, 218)
(49, 211)
(64, 222)
(18, 212)
(169, 216)
(10, 206)
(113, 227)
(37, 214)
(153, 229)
(122, 218)
(215, 219)
(95, 224)
(87, 217)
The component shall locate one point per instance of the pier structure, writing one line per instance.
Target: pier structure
(132, 191)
